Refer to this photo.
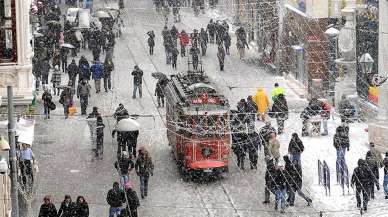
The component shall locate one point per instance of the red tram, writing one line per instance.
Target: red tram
(197, 124)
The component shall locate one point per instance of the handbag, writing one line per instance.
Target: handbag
(72, 110)
(52, 105)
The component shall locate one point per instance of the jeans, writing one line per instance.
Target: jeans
(46, 111)
(66, 110)
(124, 179)
(385, 185)
(296, 157)
(97, 85)
(364, 197)
(135, 87)
(280, 195)
(144, 185)
(114, 211)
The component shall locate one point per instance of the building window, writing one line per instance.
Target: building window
(7, 31)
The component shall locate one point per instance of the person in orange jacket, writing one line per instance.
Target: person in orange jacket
(262, 102)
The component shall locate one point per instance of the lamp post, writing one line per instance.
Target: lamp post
(332, 35)
(366, 62)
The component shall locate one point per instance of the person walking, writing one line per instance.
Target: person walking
(84, 69)
(47, 101)
(373, 170)
(280, 188)
(66, 99)
(26, 158)
(151, 41)
(264, 135)
(277, 90)
(83, 93)
(81, 207)
(67, 208)
(97, 72)
(295, 148)
(325, 114)
(108, 68)
(341, 144)
(385, 182)
(45, 71)
(159, 92)
(124, 166)
(221, 56)
(376, 154)
(72, 71)
(115, 198)
(137, 74)
(262, 102)
(360, 178)
(63, 54)
(47, 209)
(252, 111)
(279, 111)
(184, 41)
(174, 57)
(56, 78)
(211, 30)
(144, 168)
(293, 174)
(203, 40)
(254, 144)
(133, 199)
(238, 147)
(194, 51)
(227, 42)
(120, 113)
(269, 181)
(99, 138)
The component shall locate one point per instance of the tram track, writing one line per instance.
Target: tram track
(196, 186)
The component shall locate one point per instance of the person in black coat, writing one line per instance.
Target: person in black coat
(47, 209)
(341, 144)
(373, 170)
(227, 42)
(238, 147)
(314, 108)
(280, 111)
(108, 68)
(72, 70)
(115, 198)
(211, 30)
(84, 69)
(174, 57)
(360, 178)
(295, 148)
(269, 181)
(81, 207)
(100, 137)
(253, 147)
(293, 174)
(133, 200)
(67, 208)
(346, 110)
(151, 41)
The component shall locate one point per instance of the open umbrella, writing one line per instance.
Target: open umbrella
(102, 14)
(53, 22)
(67, 45)
(127, 124)
(38, 34)
(159, 75)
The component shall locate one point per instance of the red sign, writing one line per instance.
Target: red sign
(205, 99)
(313, 38)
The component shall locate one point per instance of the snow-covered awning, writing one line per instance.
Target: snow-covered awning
(24, 129)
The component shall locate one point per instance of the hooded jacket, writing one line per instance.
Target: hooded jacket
(261, 100)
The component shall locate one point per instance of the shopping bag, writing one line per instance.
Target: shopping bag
(72, 110)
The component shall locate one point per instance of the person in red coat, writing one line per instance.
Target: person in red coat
(184, 41)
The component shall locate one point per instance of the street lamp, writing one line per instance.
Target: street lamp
(332, 35)
(366, 61)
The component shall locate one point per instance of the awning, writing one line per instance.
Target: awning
(24, 129)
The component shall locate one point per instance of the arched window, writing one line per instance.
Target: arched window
(7, 31)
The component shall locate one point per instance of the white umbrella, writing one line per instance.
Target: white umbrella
(127, 124)
(67, 45)
(102, 14)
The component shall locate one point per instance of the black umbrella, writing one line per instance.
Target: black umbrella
(159, 75)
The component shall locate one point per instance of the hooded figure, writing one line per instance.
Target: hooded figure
(360, 178)
(262, 102)
(280, 111)
(295, 148)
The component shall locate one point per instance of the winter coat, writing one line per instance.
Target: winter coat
(326, 110)
(293, 174)
(385, 163)
(279, 180)
(174, 53)
(56, 59)
(221, 54)
(174, 32)
(56, 78)
(66, 97)
(151, 41)
(273, 148)
(314, 108)
(373, 168)
(376, 156)
(276, 92)
(97, 71)
(295, 146)
(124, 165)
(67, 209)
(144, 166)
(341, 139)
(253, 142)
(264, 134)
(261, 100)
(159, 90)
(120, 114)
(211, 28)
(72, 70)
(137, 77)
(84, 69)
(115, 197)
(47, 210)
(83, 90)
(227, 39)
(239, 144)
(361, 176)
(280, 108)
(346, 109)
(108, 68)
(46, 97)
(184, 39)
(203, 38)
(269, 177)
(133, 199)
(251, 106)
(81, 210)
(194, 51)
